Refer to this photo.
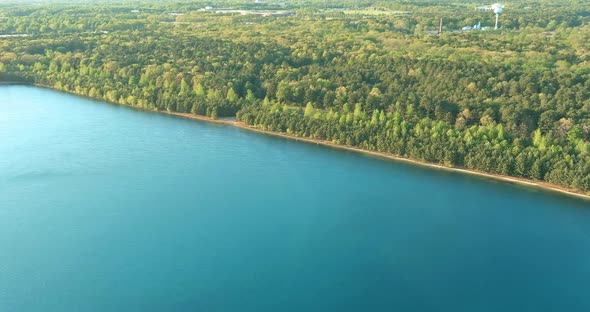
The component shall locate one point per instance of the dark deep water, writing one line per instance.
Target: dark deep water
(104, 208)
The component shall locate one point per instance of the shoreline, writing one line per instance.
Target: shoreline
(16, 83)
(540, 185)
(544, 186)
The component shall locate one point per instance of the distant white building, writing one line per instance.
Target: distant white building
(484, 8)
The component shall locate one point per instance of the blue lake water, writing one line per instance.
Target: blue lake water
(105, 208)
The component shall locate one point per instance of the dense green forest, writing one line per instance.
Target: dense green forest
(371, 74)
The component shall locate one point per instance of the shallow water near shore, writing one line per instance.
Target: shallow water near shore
(105, 208)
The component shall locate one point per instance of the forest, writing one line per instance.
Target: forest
(370, 74)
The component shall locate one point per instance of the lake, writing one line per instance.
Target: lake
(106, 208)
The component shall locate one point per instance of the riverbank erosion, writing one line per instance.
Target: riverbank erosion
(525, 182)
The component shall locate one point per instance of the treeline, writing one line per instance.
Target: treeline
(489, 148)
(513, 102)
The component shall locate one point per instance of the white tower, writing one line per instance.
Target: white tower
(497, 8)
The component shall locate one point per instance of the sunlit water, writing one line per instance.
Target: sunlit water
(104, 208)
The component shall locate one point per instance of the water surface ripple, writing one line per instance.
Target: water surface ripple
(104, 208)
